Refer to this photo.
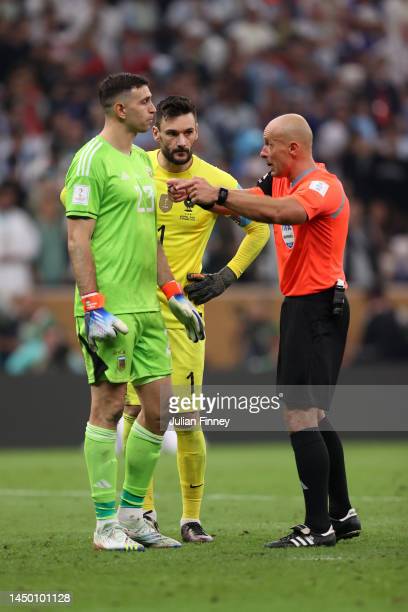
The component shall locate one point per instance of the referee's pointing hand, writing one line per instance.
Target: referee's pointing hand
(197, 189)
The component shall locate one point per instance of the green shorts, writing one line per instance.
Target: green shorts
(188, 366)
(141, 356)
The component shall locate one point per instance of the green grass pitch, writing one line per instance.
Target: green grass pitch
(252, 496)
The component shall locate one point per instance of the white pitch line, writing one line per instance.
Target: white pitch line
(238, 497)
(321, 558)
(211, 496)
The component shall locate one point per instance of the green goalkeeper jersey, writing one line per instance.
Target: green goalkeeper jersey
(118, 191)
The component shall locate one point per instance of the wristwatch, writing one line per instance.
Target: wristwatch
(222, 196)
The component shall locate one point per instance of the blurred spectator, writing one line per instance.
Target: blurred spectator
(251, 32)
(357, 163)
(259, 337)
(361, 256)
(399, 257)
(394, 47)
(19, 245)
(230, 114)
(362, 123)
(385, 334)
(378, 228)
(40, 342)
(8, 335)
(52, 260)
(343, 64)
(332, 137)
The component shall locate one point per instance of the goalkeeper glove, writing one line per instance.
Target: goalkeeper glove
(205, 287)
(184, 311)
(99, 323)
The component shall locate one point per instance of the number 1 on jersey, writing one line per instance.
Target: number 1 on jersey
(191, 376)
(161, 229)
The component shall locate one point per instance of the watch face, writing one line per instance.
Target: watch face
(222, 195)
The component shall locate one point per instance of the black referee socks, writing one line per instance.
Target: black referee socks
(312, 460)
(339, 502)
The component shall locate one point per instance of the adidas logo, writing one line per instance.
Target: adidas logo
(303, 541)
(103, 484)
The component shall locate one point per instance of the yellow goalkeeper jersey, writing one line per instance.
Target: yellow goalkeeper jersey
(184, 230)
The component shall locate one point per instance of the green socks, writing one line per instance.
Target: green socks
(101, 462)
(142, 452)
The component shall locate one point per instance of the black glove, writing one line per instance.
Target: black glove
(265, 183)
(205, 287)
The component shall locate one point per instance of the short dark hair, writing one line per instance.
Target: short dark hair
(115, 84)
(174, 106)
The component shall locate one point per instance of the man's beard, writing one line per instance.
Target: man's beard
(170, 156)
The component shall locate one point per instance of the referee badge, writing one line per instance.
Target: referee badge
(288, 235)
(165, 203)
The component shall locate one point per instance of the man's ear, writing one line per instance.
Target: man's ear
(119, 110)
(156, 133)
(294, 148)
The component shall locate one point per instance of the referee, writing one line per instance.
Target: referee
(310, 213)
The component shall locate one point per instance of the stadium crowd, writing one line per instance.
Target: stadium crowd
(342, 64)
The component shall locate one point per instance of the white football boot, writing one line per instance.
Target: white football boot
(141, 530)
(111, 536)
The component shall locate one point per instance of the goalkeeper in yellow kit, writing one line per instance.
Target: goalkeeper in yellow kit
(184, 231)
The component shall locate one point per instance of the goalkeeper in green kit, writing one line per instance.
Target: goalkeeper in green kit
(109, 197)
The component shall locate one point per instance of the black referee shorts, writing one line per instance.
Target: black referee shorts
(311, 349)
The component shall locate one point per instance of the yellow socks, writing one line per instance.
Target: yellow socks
(191, 460)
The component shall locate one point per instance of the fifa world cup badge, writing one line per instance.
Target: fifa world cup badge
(121, 362)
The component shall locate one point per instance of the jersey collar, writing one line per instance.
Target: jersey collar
(301, 176)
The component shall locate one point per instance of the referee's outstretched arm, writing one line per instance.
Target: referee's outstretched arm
(266, 209)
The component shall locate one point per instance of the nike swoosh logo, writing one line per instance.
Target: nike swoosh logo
(196, 486)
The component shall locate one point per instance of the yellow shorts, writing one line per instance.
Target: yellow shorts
(187, 364)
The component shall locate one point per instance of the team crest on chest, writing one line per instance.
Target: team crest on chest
(187, 214)
(188, 206)
(165, 203)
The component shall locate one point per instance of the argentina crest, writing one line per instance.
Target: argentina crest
(121, 362)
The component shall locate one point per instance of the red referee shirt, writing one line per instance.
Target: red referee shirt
(310, 256)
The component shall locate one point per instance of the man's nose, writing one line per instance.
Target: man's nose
(182, 140)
